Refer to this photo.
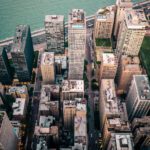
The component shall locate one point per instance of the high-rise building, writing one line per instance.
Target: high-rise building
(48, 67)
(8, 138)
(69, 111)
(128, 67)
(72, 89)
(108, 67)
(108, 100)
(138, 98)
(141, 132)
(76, 43)
(22, 53)
(122, 5)
(5, 70)
(104, 20)
(131, 33)
(54, 28)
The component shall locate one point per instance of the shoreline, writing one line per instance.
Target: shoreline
(38, 32)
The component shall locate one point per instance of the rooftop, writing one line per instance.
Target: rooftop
(45, 101)
(20, 38)
(135, 19)
(81, 104)
(54, 18)
(109, 58)
(103, 42)
(61, 59)
(72, 86)
(19, 107)
(18, 89)
(130, 60)
(111, 103)
(123, 141)
(106, 13)
(47, 58)
(80, 127)
(77, 19)
(143, 87)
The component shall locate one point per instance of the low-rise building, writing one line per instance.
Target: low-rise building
(72, 89)
(19, 109)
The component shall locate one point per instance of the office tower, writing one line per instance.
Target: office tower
(138, 98)
(121, 141)
(22, 53)
(108, 100)
(131, 33)
(48, 67)
(128, 67)
(8, 138)
(141, 132)
(72, 89)
(54, 28)
(104, 20)
(108, 66)
(5, 70)
(69, 110)
(122, 5)
(76, 43)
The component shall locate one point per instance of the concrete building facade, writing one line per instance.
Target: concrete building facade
(76, 43)
(55, 36)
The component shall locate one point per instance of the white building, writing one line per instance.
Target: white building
(76, 43)
(138, 98)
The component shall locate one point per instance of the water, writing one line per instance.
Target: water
(32, 12)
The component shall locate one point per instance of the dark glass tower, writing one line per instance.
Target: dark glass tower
(5, 70)
(22, 53)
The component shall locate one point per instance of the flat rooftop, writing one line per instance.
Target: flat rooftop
(61, 59)
(54, 88)
(123, 141)
(109, 58)
(45, 101)
(54, 18)
(130, 60)
(143, 86)
(80, 104)
(80, 128)
(18, 89)
(72, 86)
(104, 14)
(109, 94)
(69, 104)
(47, 58)
(20, 38)
(77, 19)
(19, 107)
(135, 19)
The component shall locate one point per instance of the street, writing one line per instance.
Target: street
(93, 134)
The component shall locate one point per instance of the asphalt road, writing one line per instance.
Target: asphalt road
(93, 134)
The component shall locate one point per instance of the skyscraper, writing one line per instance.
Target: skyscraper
(122, 5)
(104, 20)
(138, 98)
(54, 28)
(76, 43)
(22, 53)
(131, 33)
(8, 138)
(5, 70)
(48, 67)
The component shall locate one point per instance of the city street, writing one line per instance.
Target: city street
(93, 134)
